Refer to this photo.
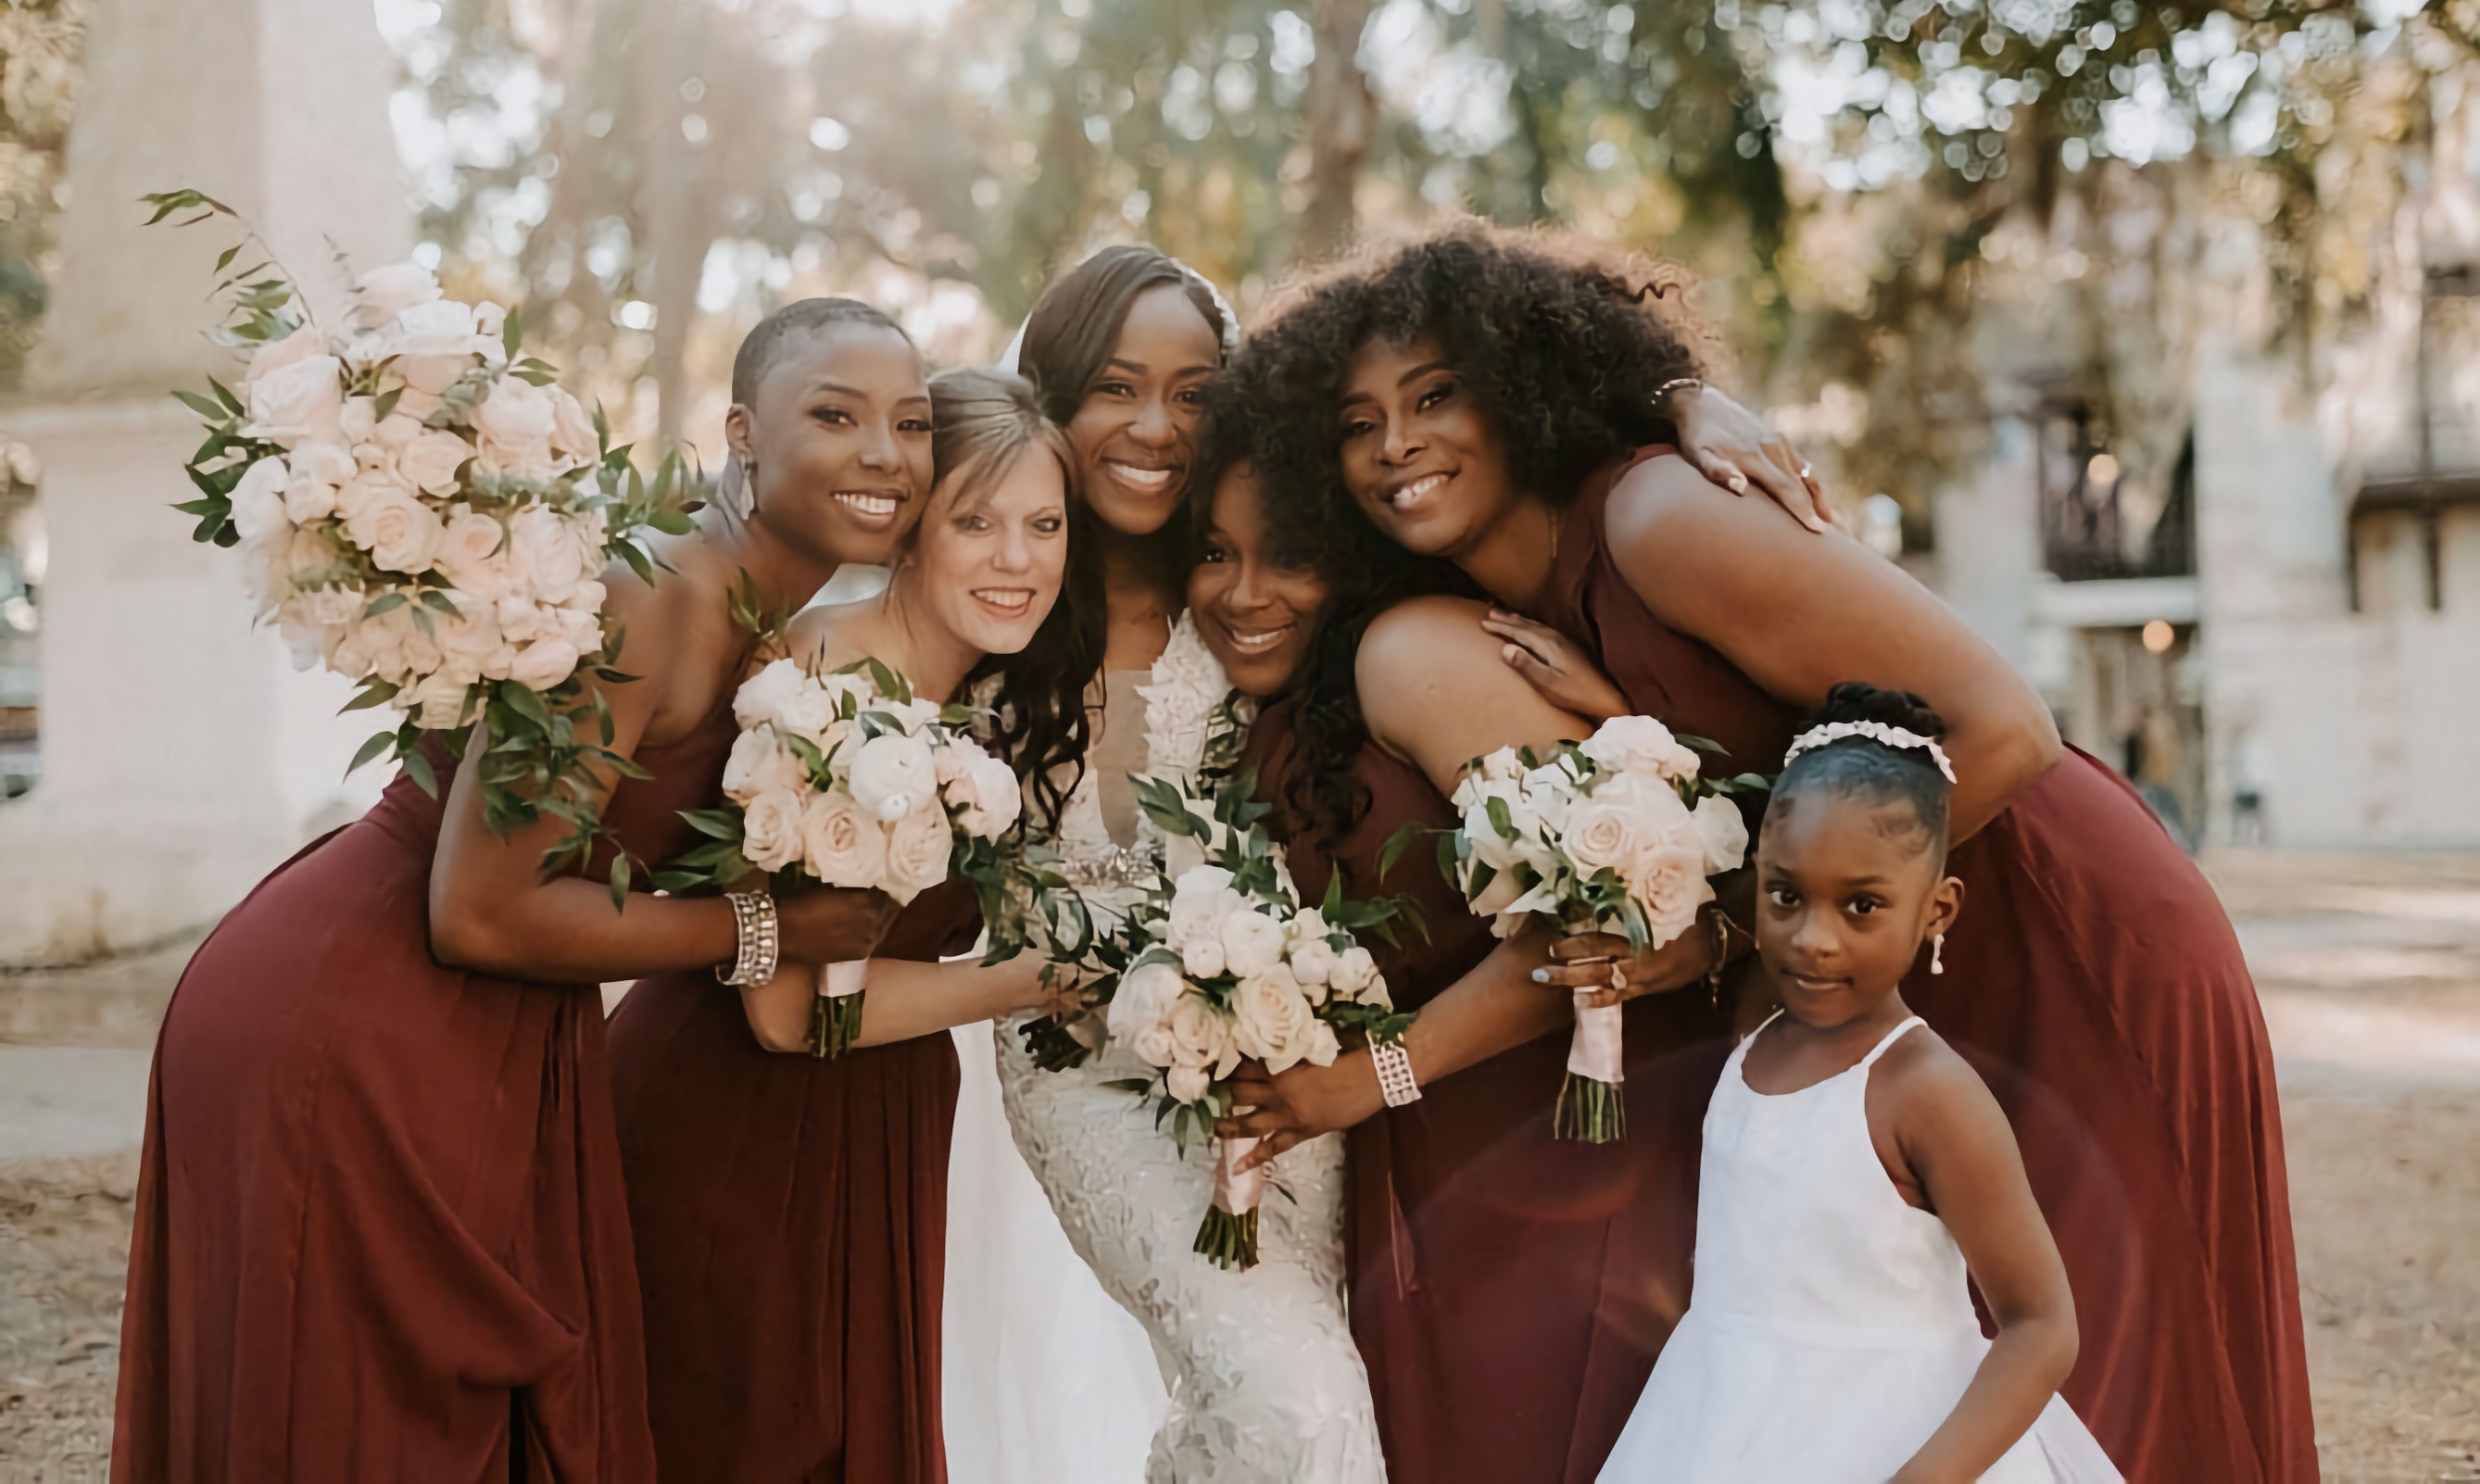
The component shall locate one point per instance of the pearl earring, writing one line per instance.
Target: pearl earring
(1937, 955)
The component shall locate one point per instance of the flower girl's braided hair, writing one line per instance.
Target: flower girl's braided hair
(1878, 746)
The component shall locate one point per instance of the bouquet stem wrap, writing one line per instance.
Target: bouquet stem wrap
(1592, 1108)
(1228, 1235)
(839, 1007)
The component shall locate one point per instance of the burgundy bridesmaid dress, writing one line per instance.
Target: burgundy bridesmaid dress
(381, 1230)
(2096, 983)
(791, 1216)
(1477, 1241)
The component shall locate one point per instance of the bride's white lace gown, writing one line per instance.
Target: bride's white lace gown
(1266, 1385)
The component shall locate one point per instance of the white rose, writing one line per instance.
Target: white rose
(396, 432)
(544, 663)
(1725, 833)
(1502, 766)
(301, 403)
(1323, 1047)
(1622, 819)
(471, 639)
(382, 293)
(1252, 942)
(986, 795)
(771, 834)
(1551, 790)
(320, 471)
(1187, 1083)
(918, 848)
(470, 557)
(401, 534)
(810, 712)
(760, 763)
(523, 620)
(572, 429)
(514, 425)
(762, 697)
(442, 328)
(291, 350)
(258, 502)
(1201, 1037)
(1271, 1020)
(893, 775)
(1353, 972)
(588, 599)
(396, 649)
(370, 485)
(432, 460)
(1639, 744)
(592, 533)
(840, 844)
(1669, 884)
(580, 627)
(1314, 964)
(1143, 1004)
(545, 554)
(360, 419)
(439, 702)
(490, 321)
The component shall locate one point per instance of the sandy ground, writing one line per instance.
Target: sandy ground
(2370, 968)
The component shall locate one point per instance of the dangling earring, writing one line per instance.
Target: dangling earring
(749, 488)
(1937, 955)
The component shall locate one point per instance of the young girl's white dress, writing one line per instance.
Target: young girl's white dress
(1830, 1330)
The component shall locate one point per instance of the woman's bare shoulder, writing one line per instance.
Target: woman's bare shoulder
(1427, 670)
(829, 635)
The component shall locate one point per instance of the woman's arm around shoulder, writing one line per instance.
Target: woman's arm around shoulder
(1800, 612)
(1437, 694)
(1951, 1139)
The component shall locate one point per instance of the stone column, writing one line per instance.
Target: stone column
(182, 754)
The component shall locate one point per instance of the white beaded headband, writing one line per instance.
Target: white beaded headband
(1876, 731)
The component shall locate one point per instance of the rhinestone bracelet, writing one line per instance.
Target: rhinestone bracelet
(1395, 1072)
(754, 932)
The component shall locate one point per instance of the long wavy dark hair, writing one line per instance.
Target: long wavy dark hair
(1319, 796)
(1068, 339)
(982, 422)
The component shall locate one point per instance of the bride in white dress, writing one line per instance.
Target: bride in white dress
(1260, 1381)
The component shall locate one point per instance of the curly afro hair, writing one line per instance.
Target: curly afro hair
(1563, 343)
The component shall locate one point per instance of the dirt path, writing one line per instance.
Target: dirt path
(2370, 970)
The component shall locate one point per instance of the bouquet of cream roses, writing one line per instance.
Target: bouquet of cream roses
(848, 778)
(421, 510)
(1226, 963)
(1619, 833)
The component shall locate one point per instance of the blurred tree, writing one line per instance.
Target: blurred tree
(40, 45)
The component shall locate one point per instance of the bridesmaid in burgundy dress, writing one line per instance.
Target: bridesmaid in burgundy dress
(381, 1230)
(1476, 1380)
(790, 1211)
(1496, 401)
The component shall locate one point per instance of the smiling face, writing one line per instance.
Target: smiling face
(1848, 889)
(838, 436)
(1135, 430)
(1257, 616)
(1421, 459)
(988, 564)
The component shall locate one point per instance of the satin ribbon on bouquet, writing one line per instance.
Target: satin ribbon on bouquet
(1228, 1235)
(837, 1025)
(1590, 1107)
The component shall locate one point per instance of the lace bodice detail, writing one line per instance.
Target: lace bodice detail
(1266, 1385)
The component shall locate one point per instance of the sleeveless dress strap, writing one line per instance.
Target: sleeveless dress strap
(1892, 1037)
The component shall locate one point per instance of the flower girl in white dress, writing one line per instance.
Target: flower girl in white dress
(1855, 1169)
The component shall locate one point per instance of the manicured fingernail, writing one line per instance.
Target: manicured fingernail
(1739, 484)
(1618, 979)
(1807, 471)
(1507, 652)
(1540, 976)
(1813, 524)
